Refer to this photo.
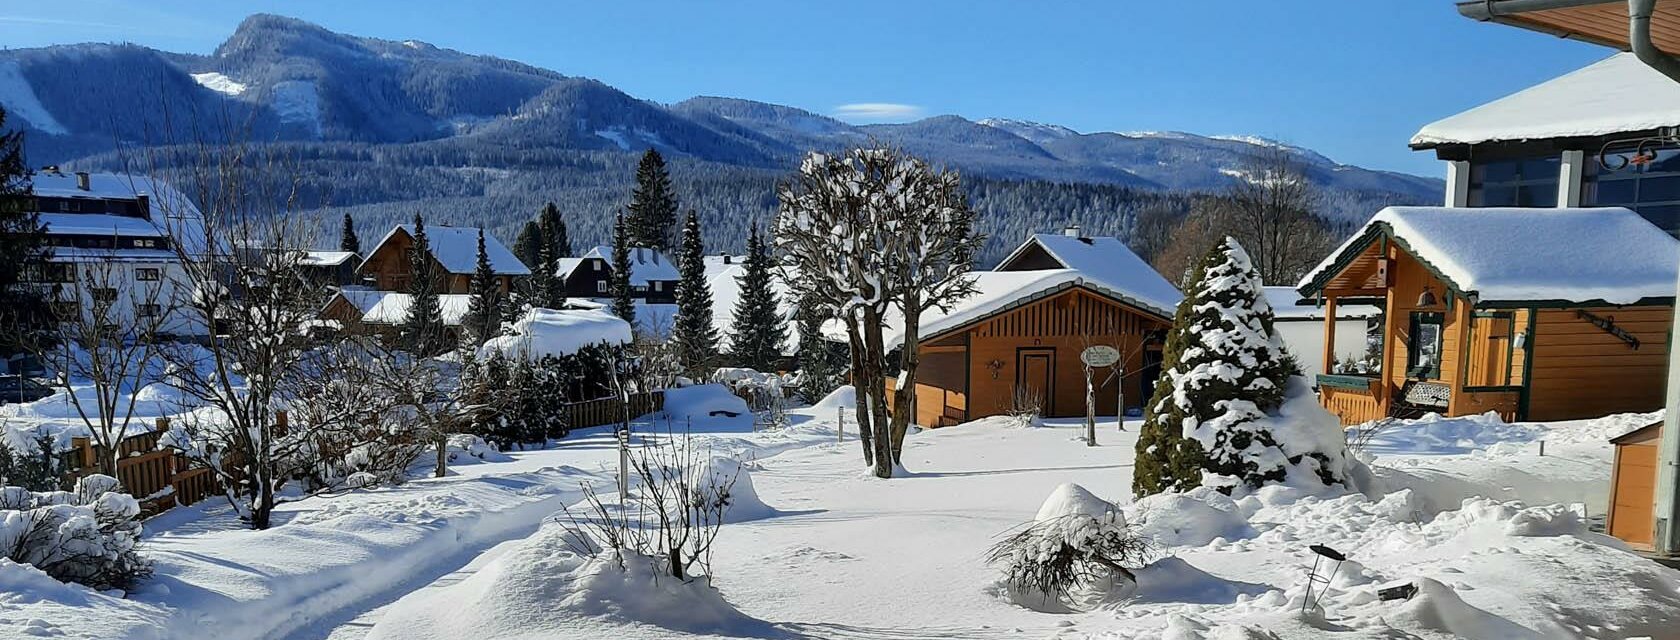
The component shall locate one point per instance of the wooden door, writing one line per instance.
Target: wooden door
(1035, 377)
(1632, 494)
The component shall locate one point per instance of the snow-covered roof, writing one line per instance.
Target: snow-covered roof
(391, 307)
(171, 213)
(1513, 254)
(1285, 306)
(1107, 261)
(456, 248)
(646, 265)
(1615, 95)
(726, 291)
(997, 291)
(333, 258)
(100, 224)
(552, 332)
(718, 264)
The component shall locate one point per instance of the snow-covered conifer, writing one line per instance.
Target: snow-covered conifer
(484, 311)
(618, 284)
(758, 333)
(695, 337)
(423, 326)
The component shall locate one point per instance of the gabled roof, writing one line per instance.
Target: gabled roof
(171, 213)
(315, 258)
(646, 265)
(1619, 94)
(1107, 262)
(456, 248)
(1501, 255)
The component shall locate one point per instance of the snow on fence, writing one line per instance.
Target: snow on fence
(594, 413)
(160, 479)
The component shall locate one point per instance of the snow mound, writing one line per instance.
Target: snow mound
(551, 332)
(465, 448)
(1072, 499)
(742, 501)
(698, 403)
(541, 589)
(1171, 579)
(845, 396)
(1190, 519)
(1436, 606)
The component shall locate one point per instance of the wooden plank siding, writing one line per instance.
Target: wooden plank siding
(1061, 325)
(1350, 405)
(1583, 371)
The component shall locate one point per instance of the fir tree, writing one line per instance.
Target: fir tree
(423, 326)
(618, 284)
(653, 204)
(554, 232)
(819, 359)
(347, 240)
(484, 311)
(694, 336)
(758, 333)
(23, 311)
(528, 245)
(1224, 372)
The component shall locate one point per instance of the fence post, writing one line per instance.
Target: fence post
(84, 454)
(163, 424)
(840, 424)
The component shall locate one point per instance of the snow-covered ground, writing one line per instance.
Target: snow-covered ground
(841, 554)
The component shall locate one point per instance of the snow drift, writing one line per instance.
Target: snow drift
(551, 332)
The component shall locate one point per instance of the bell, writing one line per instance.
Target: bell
(1427, 298)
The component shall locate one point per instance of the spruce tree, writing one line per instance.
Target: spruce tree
(347, 240)
(618, 284)
(694, 336)
(653, 204)
(23, 310)
(528, 245)
(819, 359)
(554, 231)
(758, 333)
(423, 326)
(1224, 372)
(484, 311)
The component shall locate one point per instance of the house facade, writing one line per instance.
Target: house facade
(1018, 340)
(1534, 313)
(117, 239)
(454, 258)
(653, 276)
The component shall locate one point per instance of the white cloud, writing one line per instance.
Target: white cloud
(877, 111)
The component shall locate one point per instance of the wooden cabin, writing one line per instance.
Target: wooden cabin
(1537, 314)
(653, 277)
(454, 255)
(1633, 486)
(1020, 337)
(382, 313)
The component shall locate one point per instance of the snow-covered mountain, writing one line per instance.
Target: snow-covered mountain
(287, 79)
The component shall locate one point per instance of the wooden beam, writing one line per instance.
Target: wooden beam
(1329, 335)
(1356, 293)
(944, 349)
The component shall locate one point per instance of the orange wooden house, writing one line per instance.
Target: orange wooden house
(454, 255)
(1537, 314)
(1021, 335)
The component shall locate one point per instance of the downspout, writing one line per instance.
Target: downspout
(1639, 39)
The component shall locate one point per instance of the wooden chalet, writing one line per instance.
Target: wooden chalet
(1022, 334)
(1537, 314)
(454, 254)
(653, 277)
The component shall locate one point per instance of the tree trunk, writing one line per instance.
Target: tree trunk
(904, 401)
(262, 501)
(1090, 409)
(442, 468)
(859, 411)
(877, 384)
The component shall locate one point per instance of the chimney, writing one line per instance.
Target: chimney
(728, 259)
(82, 181)
(1072, 231)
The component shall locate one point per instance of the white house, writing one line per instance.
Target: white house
(118, 237)
(1302, 328)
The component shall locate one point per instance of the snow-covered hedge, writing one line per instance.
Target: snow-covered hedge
(87, 535)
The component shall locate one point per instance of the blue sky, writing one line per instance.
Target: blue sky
(1352, 79)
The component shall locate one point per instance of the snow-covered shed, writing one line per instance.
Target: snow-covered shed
(382, 312)
(455, 256)
(1536, 313)
(1301, 325)
(1019, 338)
(653, 276)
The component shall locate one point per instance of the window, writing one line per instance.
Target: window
(599, 264)
(1423, 354)
(103, 294)
(146, 243)
(1652, 189)
(147, 310)
(1515, 182)
(601, 286)
(658, 286)
(148, 274)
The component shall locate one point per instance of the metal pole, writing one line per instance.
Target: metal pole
(840, 424)
(1120, 395)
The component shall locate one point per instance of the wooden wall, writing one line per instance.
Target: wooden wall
(1582, 371)
(1061, 326)
(1633, 483)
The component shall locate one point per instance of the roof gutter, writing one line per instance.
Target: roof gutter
(1639, 39)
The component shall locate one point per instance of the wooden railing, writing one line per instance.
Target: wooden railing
(594, 413)
(1352, 398)
(160, 479)
(1478, 400)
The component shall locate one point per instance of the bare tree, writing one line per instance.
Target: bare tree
(110, 318)
(1272, 211)
(1152, 231)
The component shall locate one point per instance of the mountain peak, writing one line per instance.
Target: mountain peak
(1035, 131)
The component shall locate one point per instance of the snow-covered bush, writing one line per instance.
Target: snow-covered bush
(765, 393)
(1072, 556)
(87, 536)
(1189, 519)
(1218, 415)
(31, 463)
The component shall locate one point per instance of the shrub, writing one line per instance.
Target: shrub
(88, 536)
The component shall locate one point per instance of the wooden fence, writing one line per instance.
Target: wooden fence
(160, 479)
(604, 411)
